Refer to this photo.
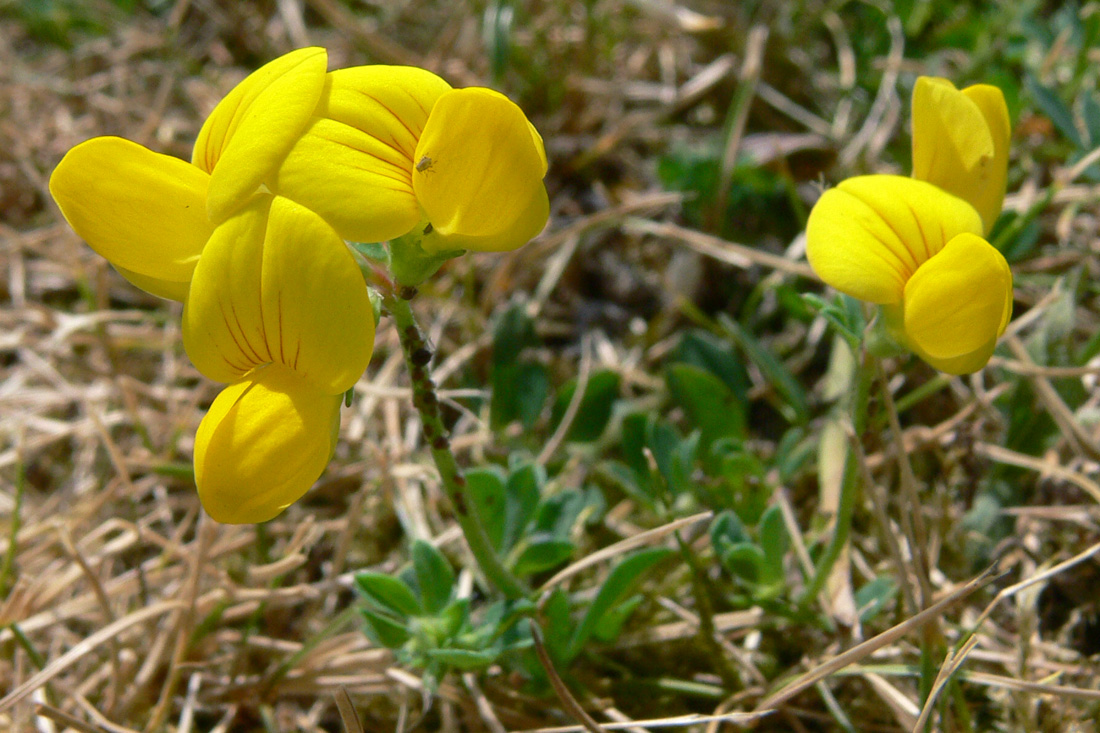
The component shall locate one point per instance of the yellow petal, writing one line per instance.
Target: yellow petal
(960, 142)
(354, 164)
(263, 443)
(966, 363)
(957, 303)
(222, 318)
(161, 288)
(990, 197)
(143, 211)
(250, 131)
(389, 103)
(479, 169)
(867, 236)
(277, 285)
(523, 230)
(315, 298)
(360, 185)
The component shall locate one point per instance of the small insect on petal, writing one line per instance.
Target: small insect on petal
(424, 164)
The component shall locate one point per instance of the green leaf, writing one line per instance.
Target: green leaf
(611, 625)
(1090, 112)
(663, 440)
(496, 33)
(388, 594)
(635, 427)
(1054, 108)
(531, 387)
(503, 407)
(558, 514)
(556, 626)
(727, 529)
(594, 411)
(708, 402)
(700, 349)
(486, 487)
(522, 493)
(454, 616)
(618, 476)
(383, 630)
(872, 597)
(433, 575)
(618, 585)
(744, 479)
(514, 332)
(849, 328)
(795, 449)
(774, 542)
(519, 393)
(745, 561)
(542, 554)
(519, 388)
(465, 659)
(795, 406)
(675, 456)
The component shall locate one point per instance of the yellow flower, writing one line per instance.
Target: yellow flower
(278, 308)
(917, 251)
(275, 305)
(393, 149)
(960, 142)
(250, 236)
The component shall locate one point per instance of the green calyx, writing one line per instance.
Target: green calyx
(410, 263)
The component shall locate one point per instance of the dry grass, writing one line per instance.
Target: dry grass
(125, 609)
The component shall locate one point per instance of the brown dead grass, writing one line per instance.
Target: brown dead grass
(145, 615)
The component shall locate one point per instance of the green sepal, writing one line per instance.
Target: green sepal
(886, 337)
(410, 264)
(375, 251)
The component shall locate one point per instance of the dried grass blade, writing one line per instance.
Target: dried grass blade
(861, 650)
(622, 546)
(84, 647)
(348, 715)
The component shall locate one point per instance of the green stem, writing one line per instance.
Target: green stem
(849, 488)
(932, 645)
(417, 358)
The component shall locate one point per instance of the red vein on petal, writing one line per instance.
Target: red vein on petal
(233, 336)
(255, 353)
(923, 236)
(282, 335)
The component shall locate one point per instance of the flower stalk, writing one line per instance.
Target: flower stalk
(417, 358)
(851, 482)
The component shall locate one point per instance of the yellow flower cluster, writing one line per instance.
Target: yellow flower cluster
(916, 245)
(250, 236)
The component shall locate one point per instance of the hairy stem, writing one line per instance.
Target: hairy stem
(417, 358)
